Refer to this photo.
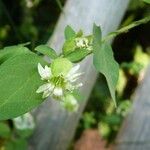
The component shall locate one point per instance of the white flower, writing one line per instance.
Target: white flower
(58, 86)
(23, 122)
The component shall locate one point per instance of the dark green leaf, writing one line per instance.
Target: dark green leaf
(24, 133)
(19, 80)
(17, 144)
(112, 119)
(69, 33)
(104, 61)
(46, 50)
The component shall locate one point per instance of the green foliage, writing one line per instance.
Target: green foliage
(88, 119)
(104, 61)
(5, 131)
(69, 33)
(60, 66)
(71, 50)
(12, 51)
(24, 133)
(19, 81)
(20, 144)
(146, 1)
(69, 46)
(46, 50)
(77, 55)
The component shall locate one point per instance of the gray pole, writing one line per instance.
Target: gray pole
(135, 131)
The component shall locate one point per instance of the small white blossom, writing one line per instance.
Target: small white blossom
(57, 86)
(23, 122)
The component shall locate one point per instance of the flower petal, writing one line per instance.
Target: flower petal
(45, 73)
(73, 70)
(78, 85)
(46, 93)
(43, 88)
(58, 91)
(74, 77)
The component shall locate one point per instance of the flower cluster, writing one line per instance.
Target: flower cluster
(83, 42)
(60, 83)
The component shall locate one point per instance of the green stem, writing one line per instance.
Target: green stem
(60, 5)
(126, 28)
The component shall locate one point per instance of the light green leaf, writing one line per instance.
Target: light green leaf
(19, 80)
(11, 51)
(146, 1)
(69, 33)
(69, 46)
(46, 50)
(78, 55)
(104, 61)
(4, 130)
(60, 66)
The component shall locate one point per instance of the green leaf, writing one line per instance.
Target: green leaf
(97, 35)
(17, 144)
(11, 51)
(79, 33)
(46, 50)
(4, 130)
(112, 119)
(78, 55)
(104, 61)
(24, 133)
(146, 1)
(69, 33)
(19, 80)
(60, 66)
(69, 46)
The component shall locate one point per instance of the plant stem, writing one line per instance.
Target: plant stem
(126, 28)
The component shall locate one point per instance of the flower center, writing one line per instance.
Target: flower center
(58, 81)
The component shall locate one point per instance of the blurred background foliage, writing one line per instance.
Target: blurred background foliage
(28, 20)
(34, 20)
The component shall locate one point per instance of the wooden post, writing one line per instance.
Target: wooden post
(135, 131)
(56, 127)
